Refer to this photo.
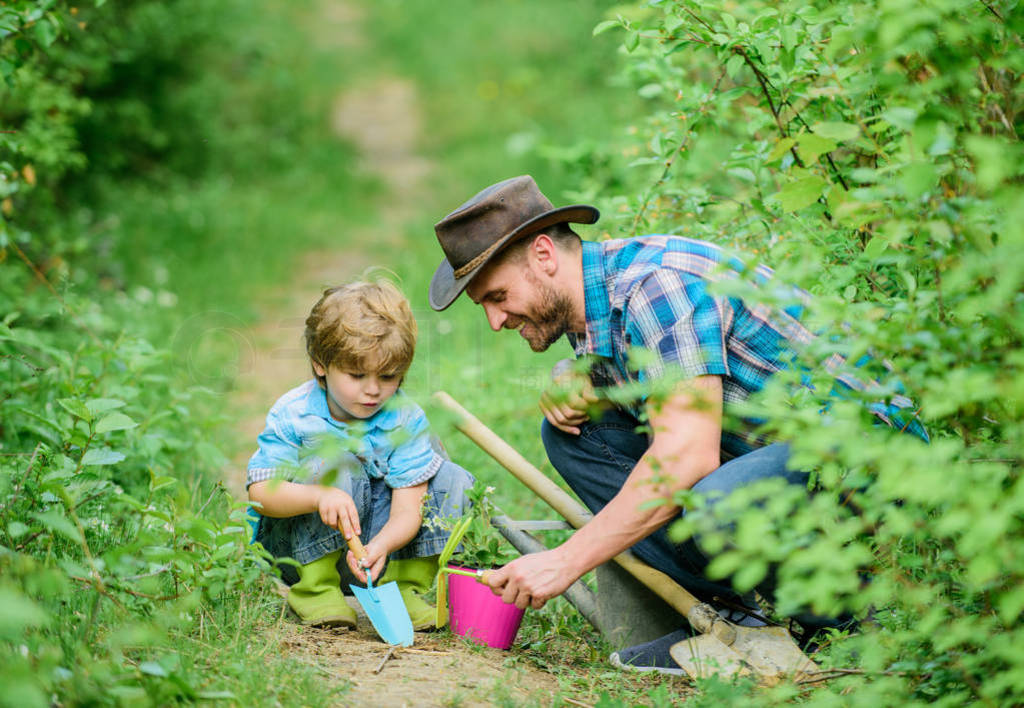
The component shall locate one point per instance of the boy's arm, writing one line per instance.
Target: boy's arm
(402, 526)
(277, 451)
(280, 499)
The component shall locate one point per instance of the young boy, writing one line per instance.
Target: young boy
(347, 453)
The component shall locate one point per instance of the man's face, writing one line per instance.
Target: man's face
(514, 297)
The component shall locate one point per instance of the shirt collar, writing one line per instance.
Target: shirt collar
(596, 303)
(387, 418)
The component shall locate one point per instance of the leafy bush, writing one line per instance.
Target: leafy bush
(870, 152)
(120, 555)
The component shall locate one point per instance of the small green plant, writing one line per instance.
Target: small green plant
(482, 546)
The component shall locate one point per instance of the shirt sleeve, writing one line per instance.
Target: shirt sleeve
(277, 452)
(672, 316)
(413, 460)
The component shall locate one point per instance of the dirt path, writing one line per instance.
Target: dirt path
(381, 118)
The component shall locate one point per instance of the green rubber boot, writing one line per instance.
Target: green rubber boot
(317, 598)
(415, 577)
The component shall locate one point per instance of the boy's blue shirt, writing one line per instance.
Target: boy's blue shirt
(393, 444)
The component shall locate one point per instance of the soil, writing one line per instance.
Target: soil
(381, 118)
(439, 669)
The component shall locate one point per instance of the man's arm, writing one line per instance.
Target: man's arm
(687, 435)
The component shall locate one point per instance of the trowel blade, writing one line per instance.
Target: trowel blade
(386, 609)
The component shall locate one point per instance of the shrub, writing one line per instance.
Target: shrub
(870, 152)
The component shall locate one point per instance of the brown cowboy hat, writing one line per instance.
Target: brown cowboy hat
(479, 229)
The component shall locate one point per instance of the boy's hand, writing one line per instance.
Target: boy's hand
(376, 555)
(337, 510)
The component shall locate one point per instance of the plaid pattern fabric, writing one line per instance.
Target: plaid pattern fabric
(393, 444)
(653, 292)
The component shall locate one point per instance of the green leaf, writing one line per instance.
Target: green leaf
(159, 482)
(918, 178)
(789, 38)
(812, 146)
(749, 575)
(836, 131)
(115, 421)
(651, 90)
(76, 408)
(17, 613)
(56, 521)
(733, 66)
(101, 405)
(45, 31)
(900, 117)
(995, 159)
(16, 529)
(632, 41)
(672, 23)
(102, 456)
(603, 27)
(1011, 604)
(876, 246)
(780, 149)
(152, 668)
(801, 193)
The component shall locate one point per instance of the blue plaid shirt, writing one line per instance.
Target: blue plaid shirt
(302, 441)
(652, 292)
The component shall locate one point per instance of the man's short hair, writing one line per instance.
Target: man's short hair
(360, 325)
(562, 235)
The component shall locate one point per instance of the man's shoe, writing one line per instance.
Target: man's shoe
(415, 576)
(651, 656)
(655, 656)
(317, 598)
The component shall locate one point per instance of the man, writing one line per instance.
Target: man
(514, 255)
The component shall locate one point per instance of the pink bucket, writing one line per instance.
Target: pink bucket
(480, 615)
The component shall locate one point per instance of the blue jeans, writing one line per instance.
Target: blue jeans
(596, 463)
(306, 538)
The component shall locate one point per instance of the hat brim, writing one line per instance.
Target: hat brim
(445, 287)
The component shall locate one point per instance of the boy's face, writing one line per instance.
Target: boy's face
(356, 394)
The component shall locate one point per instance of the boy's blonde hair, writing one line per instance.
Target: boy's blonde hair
(362, 323)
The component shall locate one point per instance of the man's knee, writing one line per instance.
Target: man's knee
(770, 462)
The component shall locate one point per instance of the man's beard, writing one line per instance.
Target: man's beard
(550, 320)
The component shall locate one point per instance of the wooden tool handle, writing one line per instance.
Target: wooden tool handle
(573, 512)
(357, 547)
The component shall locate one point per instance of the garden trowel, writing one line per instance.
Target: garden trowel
(383, 605)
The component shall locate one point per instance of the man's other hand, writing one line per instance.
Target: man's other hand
(565, 405)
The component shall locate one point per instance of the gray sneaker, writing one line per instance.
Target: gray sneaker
(651, 656)
(654, 655)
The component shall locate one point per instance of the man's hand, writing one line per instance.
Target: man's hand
(337, 510)
(532, 580)
(567, 407)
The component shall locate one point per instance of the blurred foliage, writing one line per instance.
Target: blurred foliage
(125, 570)
(870, 152)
